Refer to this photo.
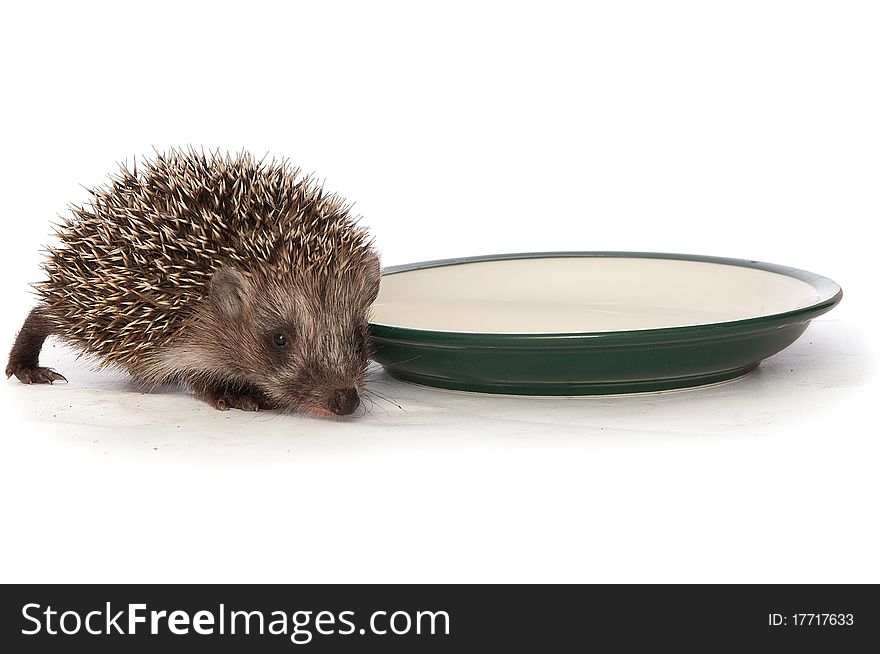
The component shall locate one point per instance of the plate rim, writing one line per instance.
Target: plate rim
(829, 295)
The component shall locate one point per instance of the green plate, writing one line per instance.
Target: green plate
(584, 323)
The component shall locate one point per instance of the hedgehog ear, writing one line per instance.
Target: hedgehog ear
(229, 291)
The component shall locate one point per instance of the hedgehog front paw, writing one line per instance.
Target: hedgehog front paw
(244, 402)
(233, 396)
(36, 375)
(247, 400)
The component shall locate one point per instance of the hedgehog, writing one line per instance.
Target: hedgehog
(239, 279)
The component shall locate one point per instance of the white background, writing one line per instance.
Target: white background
(745, 129)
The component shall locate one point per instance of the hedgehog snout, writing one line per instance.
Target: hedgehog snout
(343, 401)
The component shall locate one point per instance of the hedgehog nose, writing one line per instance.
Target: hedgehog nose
(344, 401)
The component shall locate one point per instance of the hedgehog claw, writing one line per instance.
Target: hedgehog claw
(38, 376)
(243, 402)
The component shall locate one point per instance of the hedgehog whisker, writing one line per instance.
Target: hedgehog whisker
(384, 382)
(398, 363)
(367, 411)
(373, 392)
(373, 405)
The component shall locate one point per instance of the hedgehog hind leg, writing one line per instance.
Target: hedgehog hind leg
(24, 357)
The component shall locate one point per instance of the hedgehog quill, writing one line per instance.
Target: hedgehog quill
(240, 279)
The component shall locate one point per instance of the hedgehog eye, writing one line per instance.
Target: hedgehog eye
(280, 339)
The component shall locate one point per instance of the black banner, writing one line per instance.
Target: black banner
(435, 618)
